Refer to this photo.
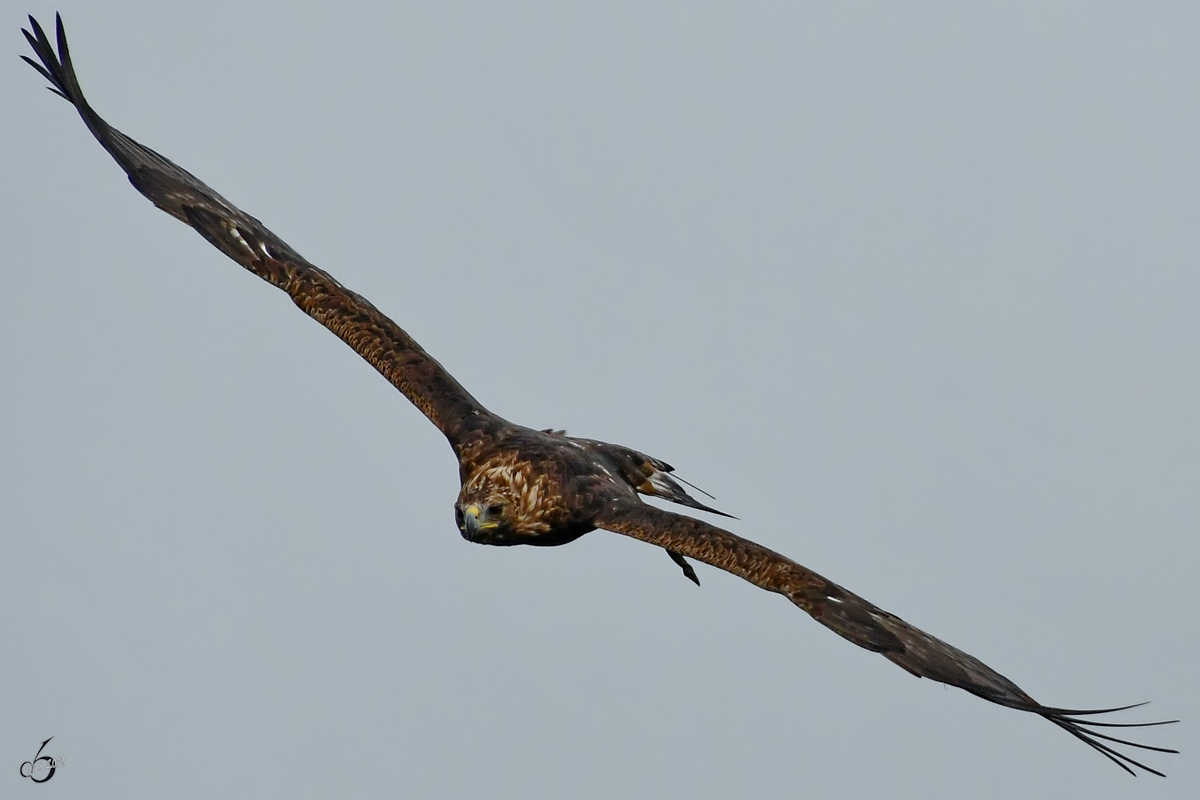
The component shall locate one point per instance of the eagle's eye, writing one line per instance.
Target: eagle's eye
(495, 509)
(458, 519)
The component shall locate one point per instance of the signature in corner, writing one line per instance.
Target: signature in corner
(30, 768)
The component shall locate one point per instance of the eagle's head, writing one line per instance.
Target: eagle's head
(506, 504)
(497, 505)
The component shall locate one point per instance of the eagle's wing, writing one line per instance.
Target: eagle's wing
(853, 618)
(248, 242)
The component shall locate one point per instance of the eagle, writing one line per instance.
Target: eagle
(521, 486)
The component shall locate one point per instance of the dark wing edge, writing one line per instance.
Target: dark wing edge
(379, 340)
(860, 621)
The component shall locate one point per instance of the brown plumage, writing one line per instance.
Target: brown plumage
(524, 486)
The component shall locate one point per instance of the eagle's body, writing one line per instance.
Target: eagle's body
(525, 486)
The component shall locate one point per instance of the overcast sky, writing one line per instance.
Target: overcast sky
(911, 288)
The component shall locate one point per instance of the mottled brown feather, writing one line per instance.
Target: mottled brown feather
(852, 617)
(353, 319)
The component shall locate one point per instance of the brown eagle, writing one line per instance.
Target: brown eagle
(542, 487)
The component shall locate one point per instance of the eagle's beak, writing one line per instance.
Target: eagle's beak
(471, 522)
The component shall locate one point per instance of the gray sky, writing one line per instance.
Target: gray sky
(912, 290)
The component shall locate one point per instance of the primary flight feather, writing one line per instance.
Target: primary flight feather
(542, 487)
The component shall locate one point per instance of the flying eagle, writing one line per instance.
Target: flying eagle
(542, 487)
